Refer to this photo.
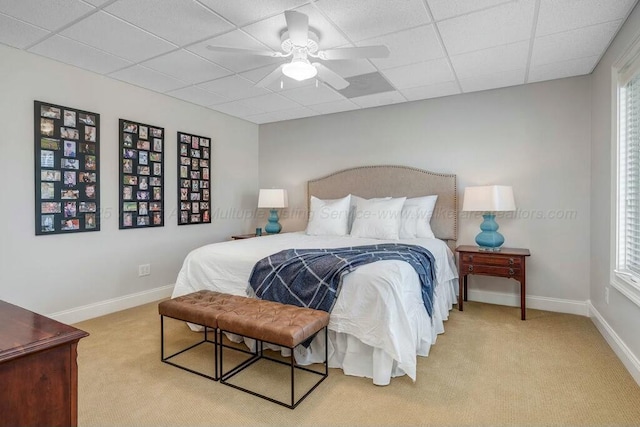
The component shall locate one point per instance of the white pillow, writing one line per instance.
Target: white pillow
(416, 217)
(354, 204)
(329, 217)
(378, 219)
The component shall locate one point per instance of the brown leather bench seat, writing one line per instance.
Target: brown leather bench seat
(265, 321)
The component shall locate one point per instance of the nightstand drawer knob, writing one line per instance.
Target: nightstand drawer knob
(511, 272)
(471, 268)
(511, 261)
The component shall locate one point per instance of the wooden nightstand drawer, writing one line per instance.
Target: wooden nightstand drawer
(492, 259)
(490, 270)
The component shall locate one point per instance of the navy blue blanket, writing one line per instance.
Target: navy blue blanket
(312, 277)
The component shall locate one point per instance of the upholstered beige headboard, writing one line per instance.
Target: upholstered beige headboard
(396, 181)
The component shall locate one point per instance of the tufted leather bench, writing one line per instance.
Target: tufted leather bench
(265, 321)
(200, 308)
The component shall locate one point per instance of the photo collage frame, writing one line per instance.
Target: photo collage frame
(141, 175)
(67, 169)
(194, 179)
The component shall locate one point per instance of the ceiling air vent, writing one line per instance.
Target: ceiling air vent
(365, 84)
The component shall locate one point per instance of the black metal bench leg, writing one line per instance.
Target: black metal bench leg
(161, 338)
(293, 396)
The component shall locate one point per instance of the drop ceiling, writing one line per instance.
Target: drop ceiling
(438, 47)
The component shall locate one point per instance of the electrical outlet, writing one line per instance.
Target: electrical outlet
(144, 270)
(606, 294)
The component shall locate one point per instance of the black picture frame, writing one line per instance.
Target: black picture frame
(141, 158)
(67, 169)
(194, 179)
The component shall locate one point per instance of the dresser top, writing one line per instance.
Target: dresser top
(23, 332)
(502, 251)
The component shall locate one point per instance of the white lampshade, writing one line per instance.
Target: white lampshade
(273, 198)
(489, 198)
(299, 69)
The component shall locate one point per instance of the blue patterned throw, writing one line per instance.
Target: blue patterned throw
(312, 277)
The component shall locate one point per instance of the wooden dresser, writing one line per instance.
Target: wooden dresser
(38, 370)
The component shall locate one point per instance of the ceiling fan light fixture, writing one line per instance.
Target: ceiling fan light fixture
(299, 69)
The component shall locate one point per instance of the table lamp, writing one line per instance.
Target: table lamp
(273, 199)
(489, 199)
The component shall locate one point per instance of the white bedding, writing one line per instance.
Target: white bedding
(378, 324)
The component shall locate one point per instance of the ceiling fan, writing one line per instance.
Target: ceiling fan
(301, 43)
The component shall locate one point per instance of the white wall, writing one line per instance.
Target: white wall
(621, 315)
(534, 137)
(53, 273)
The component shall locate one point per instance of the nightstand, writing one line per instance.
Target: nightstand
(243, 236)
(508, 262)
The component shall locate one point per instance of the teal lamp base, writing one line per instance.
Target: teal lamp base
(489, 239)
(273, 226)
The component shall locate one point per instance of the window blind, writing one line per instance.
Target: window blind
(629, 178)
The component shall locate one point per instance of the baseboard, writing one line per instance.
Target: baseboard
(629, 360)
(101, 308)
(540, 303)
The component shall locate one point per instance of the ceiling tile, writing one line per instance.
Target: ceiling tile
(335, 106)
(262, 118)
(96, 3)
(242, 12)
(310, 95)
(500, 25)
(379, 99)
(186, 66)
(233, 87)
(83, 56)
(493, 60)
(493, 81)
(442, 9)
(562, 15)
(148, 79)
(234, 61)
(431, 91)
(117, 37)
(197, 96)
(19, 34)
(294, 113)
(235, 108)
(407, 47)
(580, 43)
(421, 74)
(268, 30)
(46, 14)
(365, 19)
(270, 103)
(559, 70)
(178, 21)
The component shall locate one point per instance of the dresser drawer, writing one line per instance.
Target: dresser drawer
(492, 259)
(490, 270)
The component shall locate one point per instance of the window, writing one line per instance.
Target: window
(627, 272)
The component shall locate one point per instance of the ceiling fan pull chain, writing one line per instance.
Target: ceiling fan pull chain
(281, 84)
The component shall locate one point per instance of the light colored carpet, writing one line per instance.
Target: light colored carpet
(489, 368)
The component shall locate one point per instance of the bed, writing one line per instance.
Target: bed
(379, 324)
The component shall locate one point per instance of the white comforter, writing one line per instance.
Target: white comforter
(378, 324)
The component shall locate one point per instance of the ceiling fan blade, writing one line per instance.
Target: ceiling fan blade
(355, 52)
(298, 25)
(331, 77)
(245, 51)
(271, 77)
